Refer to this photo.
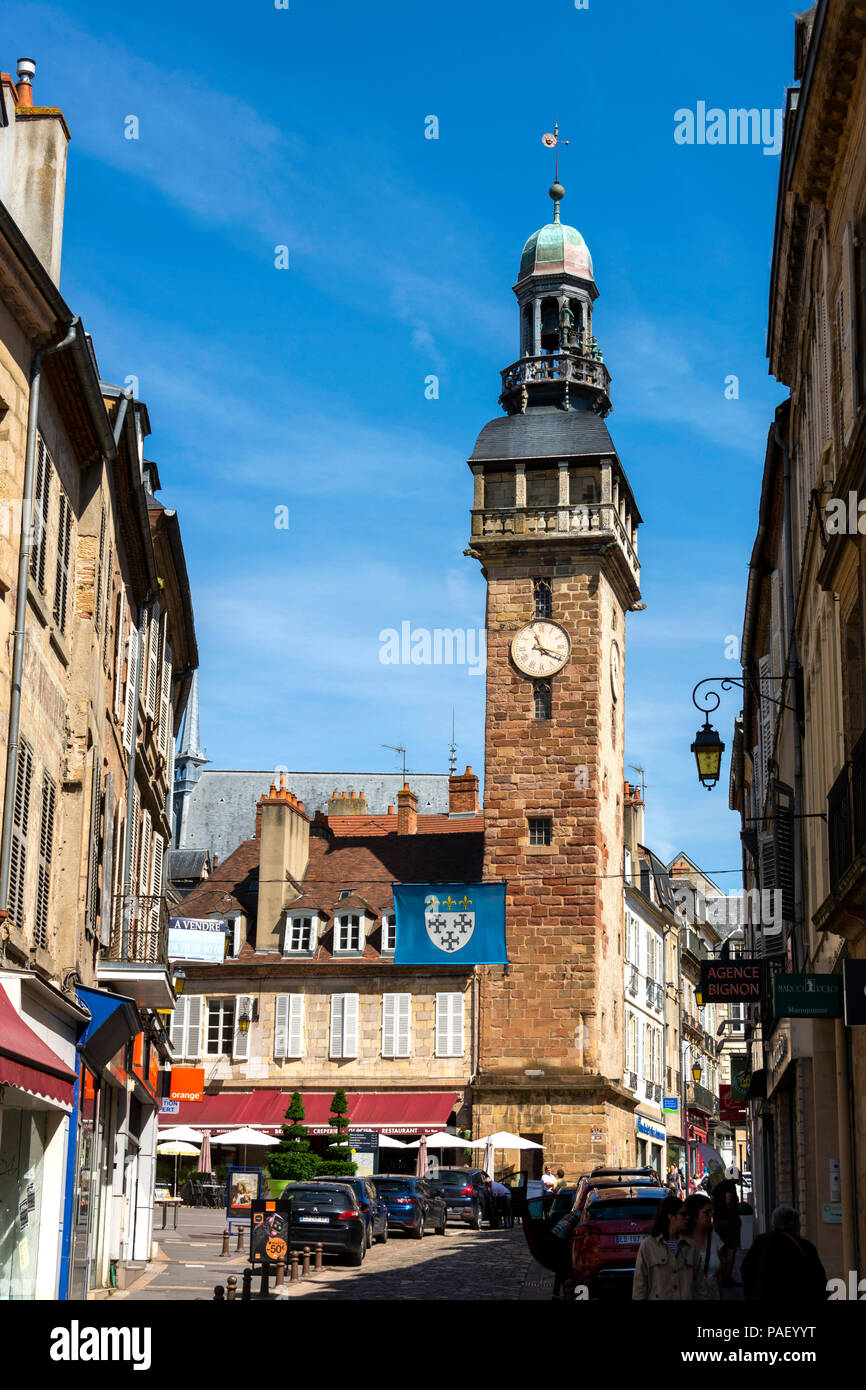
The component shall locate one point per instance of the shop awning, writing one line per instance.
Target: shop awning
(391, 1112)
(114, 1020)
(28, 1063)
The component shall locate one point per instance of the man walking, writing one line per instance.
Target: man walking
(782, 1267)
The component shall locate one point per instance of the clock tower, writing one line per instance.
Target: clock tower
(554, 526)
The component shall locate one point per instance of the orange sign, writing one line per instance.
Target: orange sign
(187, 1083)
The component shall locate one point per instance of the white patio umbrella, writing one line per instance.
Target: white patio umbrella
(245, 1137)
(386, 1142)
(184, 1132)
(502, 1139)
(176, 1149)
(441, 1141)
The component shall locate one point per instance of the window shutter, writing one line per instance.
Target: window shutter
(41, 495)
(61, 566)
(847, 337)
(46, 850)
(281, 1025)
(144, 871)
(241, 1041)
(177, 1031)
(20, 831)
(165, 705)
(404, 1026)
(766, 723)
(337, 1011)
(100, 564)
(236, 926)
(389, 1024)
(92, 906)
(116, 917)
(133, 863)
(118, 658)
(130, 713)
(109, 584)
(155, 632)
(449, 1025)
(156, 887)
(194, 1022)
(350, 1025)
(107, 862)
(296, 1026)
(777, 648)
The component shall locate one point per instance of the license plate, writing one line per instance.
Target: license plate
(628, 1240)
(314, 1220)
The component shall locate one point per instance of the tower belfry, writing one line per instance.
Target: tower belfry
(554, 526)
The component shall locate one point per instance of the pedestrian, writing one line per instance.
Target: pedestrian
(548, 1180)
(726, 1220)
(699, 1228)
(500, 1204)
(560, 1180)
(668, 1264)
(781, 1266)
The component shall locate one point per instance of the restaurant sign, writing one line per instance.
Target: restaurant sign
(731, 979)
(807, 996)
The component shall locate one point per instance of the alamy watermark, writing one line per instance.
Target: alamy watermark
(748, 906)
(736, 126)
(439, 646)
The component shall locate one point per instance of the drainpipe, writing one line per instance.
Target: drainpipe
(24, 549)
(143, 615)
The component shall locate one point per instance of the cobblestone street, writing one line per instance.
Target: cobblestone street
(461, 1265)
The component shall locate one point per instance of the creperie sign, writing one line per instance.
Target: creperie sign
(731, 979)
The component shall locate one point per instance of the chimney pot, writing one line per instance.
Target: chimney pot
(26, 71)
(462, 793)
(407, 811)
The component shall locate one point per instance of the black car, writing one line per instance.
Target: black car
(412, 1204)
(371, 1204)
(466, 1196)
(327, 1212)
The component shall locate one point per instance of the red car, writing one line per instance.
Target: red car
(612, 1225)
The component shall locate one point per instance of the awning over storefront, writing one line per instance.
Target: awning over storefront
(28, 1063)
(114, 1020)
(404, 1112)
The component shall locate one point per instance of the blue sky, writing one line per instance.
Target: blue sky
(304, 388)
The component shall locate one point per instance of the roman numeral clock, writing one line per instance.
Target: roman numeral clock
(554, 526)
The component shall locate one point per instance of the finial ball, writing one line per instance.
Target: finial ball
(556, 192)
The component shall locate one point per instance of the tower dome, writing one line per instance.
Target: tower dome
(556, 248)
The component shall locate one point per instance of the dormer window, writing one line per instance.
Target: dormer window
(389, 933)
(349, 934)
(300, 935)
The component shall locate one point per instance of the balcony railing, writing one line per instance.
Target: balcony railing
(584, 518)
(557, 366)
(846, 814)
(702, 1098)
(693, 943)
(139, 936)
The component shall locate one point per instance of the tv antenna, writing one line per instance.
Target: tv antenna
(642, 772)
(452, 760)
(395, 748)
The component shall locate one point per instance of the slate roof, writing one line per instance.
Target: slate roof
(543, 432)
(187, 863)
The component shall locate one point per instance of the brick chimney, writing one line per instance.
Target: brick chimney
(632, 821)
(407, 811)
(347, 804)
(33, 170)
(462, 793)
(284, 834)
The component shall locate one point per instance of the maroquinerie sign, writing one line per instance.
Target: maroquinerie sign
(807, 996)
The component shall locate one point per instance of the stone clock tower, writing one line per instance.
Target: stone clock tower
(554, 525)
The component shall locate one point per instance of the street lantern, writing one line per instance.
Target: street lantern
(697, 1070)
(708, 749)
(179, 981)
(244, 1021)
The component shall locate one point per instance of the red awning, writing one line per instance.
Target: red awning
(391, 1112)
(27, 1063)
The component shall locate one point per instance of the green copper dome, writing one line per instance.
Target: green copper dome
(556, 248)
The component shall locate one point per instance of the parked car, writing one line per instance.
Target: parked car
(466, 1197)
(371, 1204)
(613, 1222)
(412, 1204)
(613, 1177)
(327, 1212)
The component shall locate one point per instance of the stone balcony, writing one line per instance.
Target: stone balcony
(560, 370)
(135, 960)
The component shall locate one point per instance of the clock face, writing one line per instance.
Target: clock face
(614, 670)
(541, 648)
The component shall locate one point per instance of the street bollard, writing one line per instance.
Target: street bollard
(232, 1290)
(218, 1292)
(247, 1291)
(295, 1274)
(225, 1249)
(239, 1248)
(306, 1267)
(263, 1287)
(281, 1274)
(317, 1263)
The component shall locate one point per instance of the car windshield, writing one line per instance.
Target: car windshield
(623, 1211)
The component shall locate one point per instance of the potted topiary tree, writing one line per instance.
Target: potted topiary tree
(338, 1162)
(292, 1159)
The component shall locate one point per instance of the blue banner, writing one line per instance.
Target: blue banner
(457, 923)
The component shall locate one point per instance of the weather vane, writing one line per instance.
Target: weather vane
(553, 142)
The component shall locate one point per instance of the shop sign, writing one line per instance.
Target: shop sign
(807, 996)
(269, 1234)
(169, 1107)
(732, 979)
(729, 1108)
(595, 1135)
(671, 1104)
(647, 1127)
(831, 1213)
(187, 1083)
(855, 991)
(197, 938)
(741, 1077)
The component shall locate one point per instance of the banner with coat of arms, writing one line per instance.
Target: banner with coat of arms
(457, 923)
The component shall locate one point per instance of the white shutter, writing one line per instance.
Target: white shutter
(295, 1043)
(236, 924)
(146, 837)
(178, 1024)
(130, 713)
(194, 1022)
(241, 1041)
(281, 1025)
(337, 1010)
(155, 630)
(765, 670)
(350, 1025)
(165, 705)
(389, 1024)
(404, 1026)
(449, 1025)
(133, 863)
(118, 657)
(156, 881)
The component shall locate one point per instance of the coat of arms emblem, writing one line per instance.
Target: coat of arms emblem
(450, 922)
